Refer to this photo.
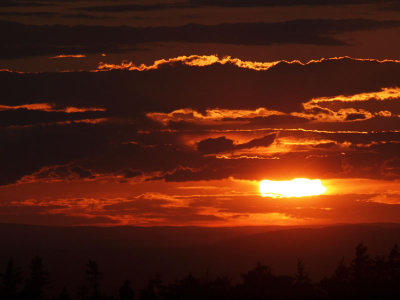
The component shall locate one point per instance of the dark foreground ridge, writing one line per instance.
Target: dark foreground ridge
(199, 263)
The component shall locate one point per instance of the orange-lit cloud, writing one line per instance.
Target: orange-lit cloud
(210, 115)
(68, 56)
(11, 71)
(207, 60)
(191, 60)
(328, 109)
(342, 115)
(50, 108)
(384, 94)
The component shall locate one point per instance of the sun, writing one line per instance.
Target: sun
(298, 187)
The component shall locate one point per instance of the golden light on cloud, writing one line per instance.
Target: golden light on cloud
(207, 60)
(210, 115)
(298, 187)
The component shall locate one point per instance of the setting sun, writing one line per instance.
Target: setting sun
(298, 187)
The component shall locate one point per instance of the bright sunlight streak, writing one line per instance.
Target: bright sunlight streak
(298, 187)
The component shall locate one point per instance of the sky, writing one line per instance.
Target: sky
(171, 112)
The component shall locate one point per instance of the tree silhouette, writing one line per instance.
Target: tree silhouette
(82, 292)
(154, 290)
(342, 272)
(302, 283)
(126, 292)
(257, 277)
(361, 264)
(10, 281)
(337, 286)
(394, 263)
(189, 287)
(64, 295)
(364, 278)
(93, 276)
(219, 288)
(301, 276)
(260, 283)
(37, 281)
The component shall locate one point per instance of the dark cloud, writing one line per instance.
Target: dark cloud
(48, 14)
(158, 210)
(374, 161)
(260, 3)
(29, 117)
(28, 149)
(284, 87)
(84, 16)
(370, 161)
(371, 105)
(128, 144)
(222, 144)
(216, 145)
(264, 141)
(274, 121)
(364, 138)
(352, 117)
(66, 172)
(223, 3)
(288, 166)
(26, 209)
(40, 14)
(129, 173)
(21, 40)
(136, 7)
(390, 5)
(19, 3)
(210, 172)
(20, 216)
(376, 123)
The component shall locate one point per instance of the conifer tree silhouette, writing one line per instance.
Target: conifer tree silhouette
(154, 289)
(341, 274)
(302, 283)
(34, 289)
(257, 282)
(337, 285)
(361, 264)
(301, 276)
(82, 292)
(394, 263)
(258, 276)
(126, 292)
(364, 278)
(10, 281)
(219, 288)
(64, 295)
(93, 277)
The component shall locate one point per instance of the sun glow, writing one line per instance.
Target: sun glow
(298, 187)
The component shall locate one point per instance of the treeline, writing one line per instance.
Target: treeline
(363, 278)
